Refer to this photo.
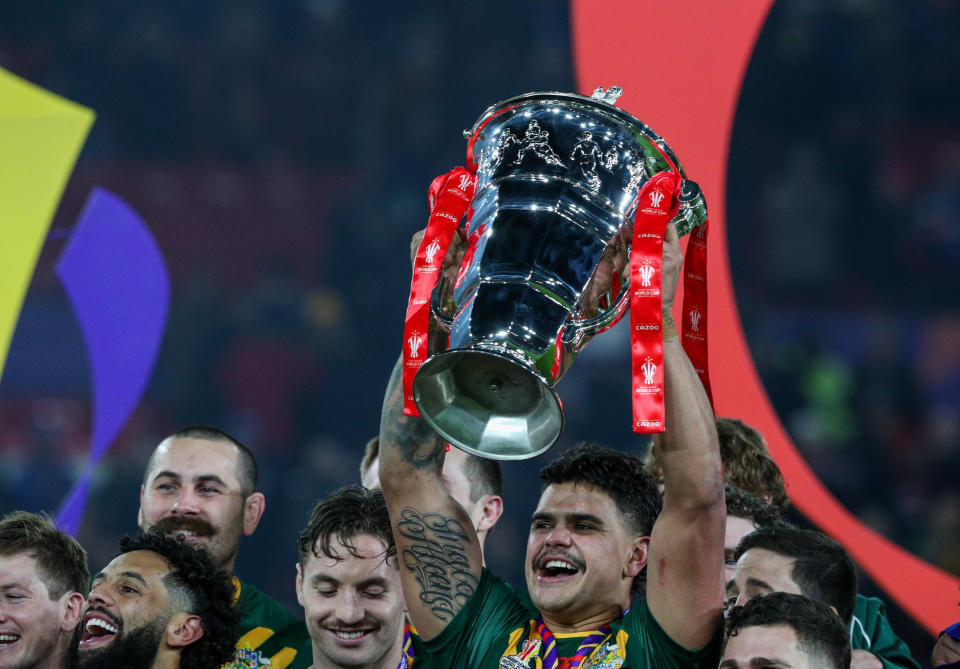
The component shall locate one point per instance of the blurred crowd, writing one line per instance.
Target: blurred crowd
(280, 153)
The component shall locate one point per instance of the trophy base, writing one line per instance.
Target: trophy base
(487, 404)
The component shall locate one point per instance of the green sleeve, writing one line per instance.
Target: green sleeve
(478, 635)
(650, 646)
(870, 630)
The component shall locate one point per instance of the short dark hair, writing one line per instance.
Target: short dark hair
(247, 472)
(198, 588)
(822, 569)
(61, 562)
(484, 476)
(347, 513)
(820, 632)
(620, 475)
(741, 504)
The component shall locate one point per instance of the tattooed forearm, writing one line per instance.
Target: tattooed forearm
(437, 556)
(416, 443)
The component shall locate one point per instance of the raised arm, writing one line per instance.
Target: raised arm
(685, 564)
(437, 547)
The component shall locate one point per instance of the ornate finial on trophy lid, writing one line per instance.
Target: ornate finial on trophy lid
(610, 96)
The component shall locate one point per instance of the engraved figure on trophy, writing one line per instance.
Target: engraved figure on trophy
(491, 159)
(612, 157)
(537, 140)
(638, 172)
(586, 153)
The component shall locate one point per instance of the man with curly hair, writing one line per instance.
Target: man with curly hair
(160, 604)
(747, 463)
(43, 580)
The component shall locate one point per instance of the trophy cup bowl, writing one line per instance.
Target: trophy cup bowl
(557, 181)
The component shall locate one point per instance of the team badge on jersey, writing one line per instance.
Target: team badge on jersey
(608, 656)
(247, 659)
(522, 660)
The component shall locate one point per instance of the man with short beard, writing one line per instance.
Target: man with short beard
(160, 604)
(200, 485)
(43, 579)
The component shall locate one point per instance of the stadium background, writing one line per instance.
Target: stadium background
(280, 154)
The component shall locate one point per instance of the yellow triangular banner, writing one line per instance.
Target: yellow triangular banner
(40, 138)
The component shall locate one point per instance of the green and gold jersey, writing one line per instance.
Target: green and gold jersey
(498, 629)
(269, 635)
(870, 630)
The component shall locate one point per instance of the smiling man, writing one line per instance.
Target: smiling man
(595, 530)
(200, 484)
(349, 585)
(785, 631)
(43, 579)
(160, 604)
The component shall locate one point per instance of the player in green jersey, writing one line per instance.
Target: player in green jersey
(591, 537)
(875, 645)
(201, 484)
(808, 562)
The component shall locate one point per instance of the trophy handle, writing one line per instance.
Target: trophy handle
(579, 331)
(691, 214)
(437, 307)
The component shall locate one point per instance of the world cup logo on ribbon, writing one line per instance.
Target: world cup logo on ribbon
(656, 198)
(649, 368)
(646, 273)
(415, 342)
(431, 251)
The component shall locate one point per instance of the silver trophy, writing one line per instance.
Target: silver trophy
(557, 181)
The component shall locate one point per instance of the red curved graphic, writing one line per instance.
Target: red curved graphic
(681, 65)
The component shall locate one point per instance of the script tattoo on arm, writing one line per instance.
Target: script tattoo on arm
(437, 557)
(415, 442)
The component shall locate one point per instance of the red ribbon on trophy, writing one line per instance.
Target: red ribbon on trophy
(449, 196)
(693, 325)
(657, 205)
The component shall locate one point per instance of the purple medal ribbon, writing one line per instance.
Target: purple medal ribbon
(587, 646)
(406, 649)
